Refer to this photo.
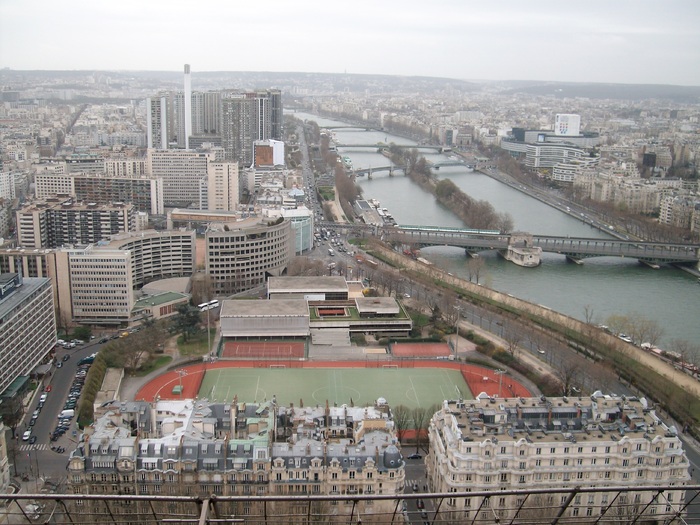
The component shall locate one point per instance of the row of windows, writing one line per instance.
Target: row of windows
(638, 447)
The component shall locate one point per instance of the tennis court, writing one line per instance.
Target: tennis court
(412, 387)
(263, 350)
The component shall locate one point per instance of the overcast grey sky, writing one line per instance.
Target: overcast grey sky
(630, 41)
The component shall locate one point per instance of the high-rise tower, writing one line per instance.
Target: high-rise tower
(157, 122)
(188, 106)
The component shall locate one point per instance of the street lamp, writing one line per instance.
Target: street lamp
(499, 373)
(181, 373)
(459, 315)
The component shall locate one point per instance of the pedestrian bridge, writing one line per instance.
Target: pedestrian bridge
(576, 249)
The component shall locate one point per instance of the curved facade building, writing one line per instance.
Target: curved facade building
(242, 255)
(158, 254)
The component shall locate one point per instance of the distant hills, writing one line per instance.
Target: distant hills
(687, 94)
(375, 84)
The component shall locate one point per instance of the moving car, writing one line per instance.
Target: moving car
(27, 434)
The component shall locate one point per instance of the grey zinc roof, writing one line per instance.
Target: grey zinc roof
(253, 308)
(316, 284)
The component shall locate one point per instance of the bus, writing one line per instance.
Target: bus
(211, 305)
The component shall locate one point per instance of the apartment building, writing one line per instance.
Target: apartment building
(27, 325)
(56, 222)
(144, 192)
(491, 444)
(125, 167)
(223, 193)
(192, 447)
(243, 254)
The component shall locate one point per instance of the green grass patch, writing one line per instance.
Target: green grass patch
(411, 387)
(327, 193)
(197, 343)
(153, 364)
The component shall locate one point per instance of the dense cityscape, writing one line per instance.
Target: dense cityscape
(201, 301)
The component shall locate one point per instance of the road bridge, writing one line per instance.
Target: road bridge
(575, 249)
(365, 171)
(380, 145)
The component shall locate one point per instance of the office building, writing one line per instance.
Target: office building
(267, 153)
(242, 255)
(56, 222)
(492, 444)
(182, 172)
(567, 125)
(98, 286)
(134, 259)
(27, 325)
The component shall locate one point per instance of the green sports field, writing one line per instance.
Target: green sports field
(411, 387)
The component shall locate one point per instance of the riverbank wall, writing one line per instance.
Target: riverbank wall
(649, 372)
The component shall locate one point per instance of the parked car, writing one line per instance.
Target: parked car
(32, 440)
(414, 456)
(27, 434)
(66, 357)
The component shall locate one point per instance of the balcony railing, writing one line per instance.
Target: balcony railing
(518, 507)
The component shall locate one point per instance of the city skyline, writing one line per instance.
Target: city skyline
(634, 42)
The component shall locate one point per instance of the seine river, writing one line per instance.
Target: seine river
(609, 285)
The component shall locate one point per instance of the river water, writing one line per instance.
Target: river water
(608, 285)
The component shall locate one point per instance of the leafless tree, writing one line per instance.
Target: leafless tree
(449, 307)
(341, 267)
(421, 420)
(475, 266)
(568, 371)
(617, 323)
(402, 417)
(643, 330)
(512, 334)
(202, 288)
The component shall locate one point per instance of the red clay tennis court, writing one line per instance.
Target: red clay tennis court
(263, 350)
(420, 350)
